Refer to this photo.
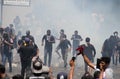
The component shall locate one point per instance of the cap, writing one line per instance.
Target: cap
(62, 75)
(27, 40)
(37, 67)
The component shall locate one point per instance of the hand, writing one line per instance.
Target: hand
(34, 58)
(72, 63)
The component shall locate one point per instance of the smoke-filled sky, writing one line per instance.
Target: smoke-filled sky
(97, 19)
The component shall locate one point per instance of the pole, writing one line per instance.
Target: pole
(1, 3)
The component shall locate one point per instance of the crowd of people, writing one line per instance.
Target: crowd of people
(32, 67)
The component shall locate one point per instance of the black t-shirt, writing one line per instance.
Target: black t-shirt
(47, 39)
(65, 44)
(27, 52)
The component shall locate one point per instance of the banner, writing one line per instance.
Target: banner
(17, 2)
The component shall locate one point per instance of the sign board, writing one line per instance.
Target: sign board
(17, 2)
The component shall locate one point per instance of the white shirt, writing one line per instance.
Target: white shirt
(108, 73)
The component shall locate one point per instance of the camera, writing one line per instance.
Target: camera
(98, 63)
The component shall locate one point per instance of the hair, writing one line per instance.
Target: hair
(2, 69)
(87, 39)
(62, 74)
(116, 32)
(49, 31)
(28, 32)
(76, 31)
(62, 30)
(17, 76)
(96, 74)
(106, 60)
(87, 75)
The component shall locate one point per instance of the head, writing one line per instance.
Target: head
(105, 61)
(61, 31)
(5, 35)
(62, 75)
(17, 76)
(87, 75)
(11, 25)
(96, 74)
(37, 67)
(2, 69)
(28, 32)
(115, 33)
(48, 32)
(1, 30)
(87, 40)
(27, 40)
(76, 32)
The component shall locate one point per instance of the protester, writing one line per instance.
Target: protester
(27, 51)
(65, 46)
(17, 76)
(76, 41)
(3, 74)
(49, 40)
(87, 75)
(39, 70)
(90, 52)
(118, 53)
(105, 71)
(115, 41)
(7, 51)
(61, 38)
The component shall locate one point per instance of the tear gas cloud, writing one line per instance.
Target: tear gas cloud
(97, 19)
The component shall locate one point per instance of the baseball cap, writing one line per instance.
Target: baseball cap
(62, 75)
(37, 67)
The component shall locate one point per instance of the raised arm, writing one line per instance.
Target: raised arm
(81, 51)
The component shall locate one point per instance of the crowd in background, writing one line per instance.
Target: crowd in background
(29, 53)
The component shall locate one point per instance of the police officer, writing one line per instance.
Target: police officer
(27, 52)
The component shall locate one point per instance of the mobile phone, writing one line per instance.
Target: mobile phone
(98, 63)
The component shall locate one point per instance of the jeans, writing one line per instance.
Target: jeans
(24, 65)
(4, 58)
(1, 52)
(74, 50)
(49, 55)
(64, 56)
(116, 58)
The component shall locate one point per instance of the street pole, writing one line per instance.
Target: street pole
(1, 8)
